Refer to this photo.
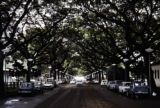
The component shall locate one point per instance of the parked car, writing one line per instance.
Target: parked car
(64, 81)
(73, 81)
(26, 88)
(59, 82)
(113, 85)
(104, 83)
(79, 82)
(38, 87)
(138, 90)
(117, 84)
(109, 84)
(124, 87)
(95, 81)
(49, 84)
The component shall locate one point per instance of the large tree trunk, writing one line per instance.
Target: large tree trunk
(2, 90)
(91, 77)
(28, 72)
(51, 72)
(127, 72)
(146, 67)
(146, 70)
(102, 75)
(58, 75)
(99, 77)
(55, 74)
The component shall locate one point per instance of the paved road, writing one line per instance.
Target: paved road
(90, 96)
(77, 97)
(27, 101)
(87, 96)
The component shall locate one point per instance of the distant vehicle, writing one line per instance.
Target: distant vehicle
(138, 90)
(59, 82)
(79, 82)
(64, 81)
(124, 87)
(72, 81)
(104, 83)
(26, 88)
(95, 81)
(89, 82)
(50, 83)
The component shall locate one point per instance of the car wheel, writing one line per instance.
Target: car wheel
(132, 95)
(127, 94)
(41, 91)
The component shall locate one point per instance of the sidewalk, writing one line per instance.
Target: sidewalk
(27, 102)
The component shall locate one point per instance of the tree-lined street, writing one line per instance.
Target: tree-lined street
(49, 43)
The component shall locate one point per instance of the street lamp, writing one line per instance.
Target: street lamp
(29, 69)
(125, 61)
(149, 50)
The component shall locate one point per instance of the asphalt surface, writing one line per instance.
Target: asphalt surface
(27, 101)
(77, 97)
(86, 96)
(94, 96)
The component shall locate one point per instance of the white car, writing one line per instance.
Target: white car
(59, 81)
(79, 82)
(95, 81)
(104, 83)
(50, 83)
(72, 82)
(124, 87)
